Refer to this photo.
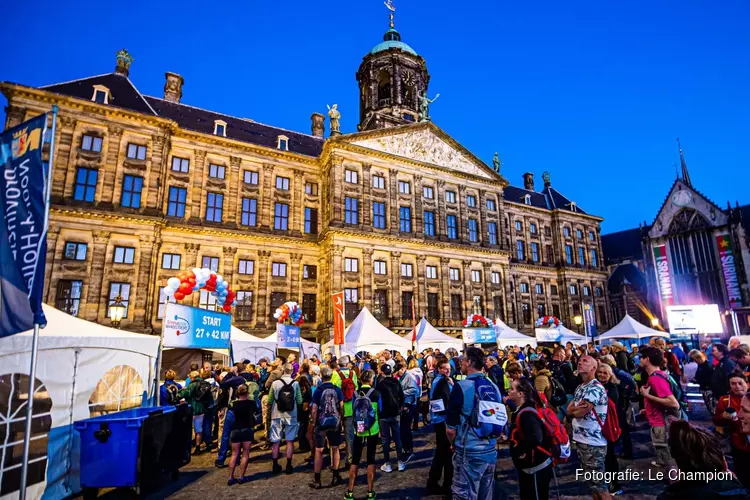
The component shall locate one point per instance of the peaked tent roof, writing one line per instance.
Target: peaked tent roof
(507, 336)
(429, 336)
(629, 328)
(246, 346)
(366, 333)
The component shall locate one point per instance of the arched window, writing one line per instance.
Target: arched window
(121, 388)
(384, 89)
(13, 398)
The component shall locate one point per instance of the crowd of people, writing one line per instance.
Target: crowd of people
(559, 400)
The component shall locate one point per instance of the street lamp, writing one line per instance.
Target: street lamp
(654, 322)
(116, 311)
(578, 319)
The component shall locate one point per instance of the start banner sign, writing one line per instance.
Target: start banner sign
(194, 328)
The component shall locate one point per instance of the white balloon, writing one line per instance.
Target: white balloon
(168, 291)
(197, 271)
(173, 283)
(219, 279)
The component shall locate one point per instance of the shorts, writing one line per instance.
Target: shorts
(198, 424)
(332, 435)
(359, 443)
(592, 460)
(241, 435)
(285, 428)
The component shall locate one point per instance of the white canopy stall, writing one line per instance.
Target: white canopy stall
(84, 369)
(629, 328)
(366, 333)
(429, 336)
(507, 336)
(246, 346)
(559, 334)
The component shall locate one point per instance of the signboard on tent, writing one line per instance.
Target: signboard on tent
(589, 320)
(338, 318)
(479, 335)
(194, 328)
(288, 336)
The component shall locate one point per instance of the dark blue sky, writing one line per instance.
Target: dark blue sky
(594, 92)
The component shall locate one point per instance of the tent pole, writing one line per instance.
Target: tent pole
(29, 414)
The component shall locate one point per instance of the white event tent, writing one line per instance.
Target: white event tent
(429, 336)
(246, 346)
(83, 369)
(559, 334)
(507, 336)
(629, 328)
(366, 333)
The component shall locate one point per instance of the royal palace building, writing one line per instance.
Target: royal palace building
(144, 187)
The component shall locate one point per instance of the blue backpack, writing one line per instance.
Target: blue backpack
(488, 416)
(363, 412)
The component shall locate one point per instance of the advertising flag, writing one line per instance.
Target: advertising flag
(23, 238)
(338, 318)
(663, 277)
(729, 270)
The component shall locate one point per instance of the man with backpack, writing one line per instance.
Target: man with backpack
(345, 379)
(724, 367)
(589, 413)
(660, 402)
(495, 373)
(473, 433)
(365, 407)
(392, 395)
(325, 424)
(442, 463)
(198, 395)
(169, 389)
(562, 371)
(284, 397)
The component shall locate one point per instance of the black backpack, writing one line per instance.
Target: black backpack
(172, 391)
(203, 393)
(559, 396)
(286, 400)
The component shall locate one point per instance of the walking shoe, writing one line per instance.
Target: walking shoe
(371, 495)
(335, 481)
(386, 467)
(349, 495)
(244, 479)
(232, 481)
(289, 468)
(276, 469)
(618, 492)
(401, 466)
(656, 464)
(197, 450)
(315, 485)
(408, 456)
(219, 464)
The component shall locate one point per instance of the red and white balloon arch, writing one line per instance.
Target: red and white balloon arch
(187, 282)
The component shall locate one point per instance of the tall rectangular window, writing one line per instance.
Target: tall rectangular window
(524, 287)
(497, 302)
(163, 301)
(492, 233)
(520, 250)
(281, 216)
(136, 152)
(311, 220)
(212, 263)
(451, 227)
(75, 251)
(519, 226)
(407, 270)
(491, 205)
(216, 171)
(277, 298)
(68, 297)
(428, 192)
(540, 310)
(547, 231)
(594, 258)
(378, 182)
(539, 289)
(311, 188)
(431, 272)
(122, 290)
(592, 236)
(250, 177)
(85, 187)
(579, 234)
(378, 215)
(176, 204)
(207, 300)
(535, 251)
(550, 254)
(249, 212)
(379, 267)
(582, 256)
(455, 274)
(243, 311)
(351, 176)
(91, 143)
(405, 219)
(309, 272)
(566, 232)
(123, 255)
(429, 223)
(214, 207)
(457, 307)
(476, 276)
(495, 278)
(471, 201)
(553, 289)
(433, 306)
(406, 305)
(181, 165)
(246, 267)
(380, 304)
(450, 197)
(473, 230)
(526, 311)
(532, 228)
(278, 269)
(282, 183)
(351, 303)
(556, 310)
(586, 291)
(568, 254)
(351, 210)
(404, 187)
(573, 290)
(601, 315)
(309, 307)
(131, 191)
(351, 265)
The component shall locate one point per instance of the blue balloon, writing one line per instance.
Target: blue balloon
(196, 288)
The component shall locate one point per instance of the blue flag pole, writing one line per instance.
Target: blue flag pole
(35, 338)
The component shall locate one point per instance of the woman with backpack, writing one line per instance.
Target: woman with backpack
(703, 376)
(542, 378)
(527, 440)
(244, 410)
(610, 382)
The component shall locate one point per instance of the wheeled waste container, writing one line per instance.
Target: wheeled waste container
(134, 448)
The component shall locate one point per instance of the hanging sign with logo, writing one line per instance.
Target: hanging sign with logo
(663, 277)
(288, 336)
(726, 256)
(589, 320)
(479, 335)
(191, 327)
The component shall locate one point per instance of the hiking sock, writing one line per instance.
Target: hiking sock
(275, 462)
(317, 477)
(288, 462)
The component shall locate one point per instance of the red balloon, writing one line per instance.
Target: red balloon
(211, 287)
(227, 308)
(185, 288)
(179, 295)
(190, 275)
(192, 282)
(182, 275)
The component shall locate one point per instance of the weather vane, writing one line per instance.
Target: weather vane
(389, 5)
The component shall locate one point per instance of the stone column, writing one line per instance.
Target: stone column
(296, 276)
(367, 277)
(483, 237)
(63, 149)
(419, 214)
(395, 271)
(228, 265)
(487, 281)
(233, 182)
(446, 286)
(297, 208)
(505, 280)
(139, 295)
(337, 268)
(261, 311)
(393, 180)
(154, 184)
(336, 187)
(468, 289)
(98, 263)
(462, 217)
(110, 167)
(441, 212)
(421, 297)
(547, 298)
(53, 234)
(266, 211)
(366, 201)
(196, 190)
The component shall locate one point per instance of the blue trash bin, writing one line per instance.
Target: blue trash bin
(111, 445)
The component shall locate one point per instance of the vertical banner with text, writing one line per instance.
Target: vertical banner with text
(338, 318)
(663, 276)
(729, 270)
(589, 320)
